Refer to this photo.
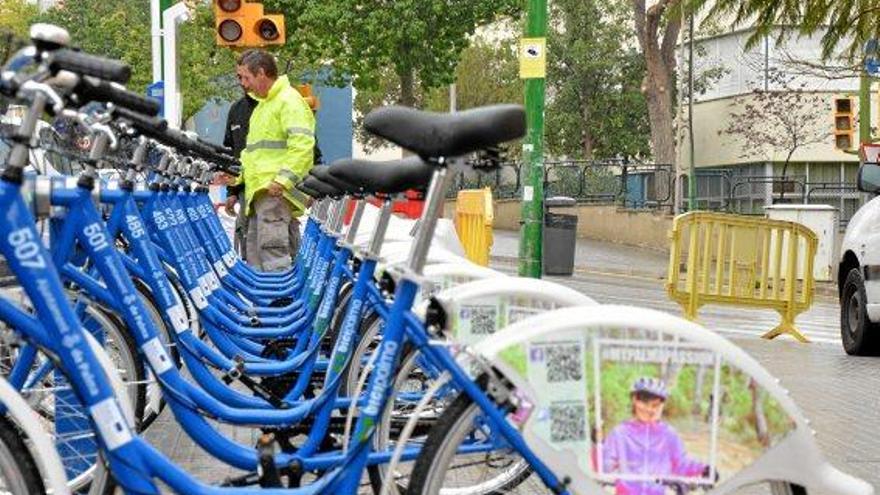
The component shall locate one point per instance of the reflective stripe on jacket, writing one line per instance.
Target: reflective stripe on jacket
(280, 144)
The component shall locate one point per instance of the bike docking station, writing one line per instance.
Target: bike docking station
(380, 353)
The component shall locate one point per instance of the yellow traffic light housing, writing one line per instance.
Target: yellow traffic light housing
(242, 23)
(844, 123)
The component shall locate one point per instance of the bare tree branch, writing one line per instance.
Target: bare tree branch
(794, 65)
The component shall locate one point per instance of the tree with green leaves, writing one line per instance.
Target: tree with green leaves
(403, 47)
(596, 109)
(16, 16)
(121, 29)
(118, 29)
(845, 23)
(487, 73)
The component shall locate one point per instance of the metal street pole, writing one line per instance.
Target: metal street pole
(156, 38)
(173, 104)
(692, 175)
(163, 6)
(864, 107)
(532, 69)
(157, 7)
(453, 98)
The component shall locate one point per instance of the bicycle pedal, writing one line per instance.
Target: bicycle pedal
(269, 475)
(248, 479)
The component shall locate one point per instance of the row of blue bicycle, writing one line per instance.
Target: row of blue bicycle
(381, 361)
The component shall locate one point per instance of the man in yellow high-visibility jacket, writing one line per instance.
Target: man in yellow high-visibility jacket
(279, 154)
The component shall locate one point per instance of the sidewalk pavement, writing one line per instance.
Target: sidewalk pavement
(592, 256)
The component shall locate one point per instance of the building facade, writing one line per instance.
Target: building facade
(736, 171)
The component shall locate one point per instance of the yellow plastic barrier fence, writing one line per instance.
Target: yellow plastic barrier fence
(474, 217)
(717, 258)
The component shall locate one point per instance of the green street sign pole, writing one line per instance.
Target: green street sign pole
(532, 64)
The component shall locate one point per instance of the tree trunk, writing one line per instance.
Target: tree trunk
(670, 374)
(658, 96)
(658, 48)
(784, 169)
(407, 89)
(698, 390)
(586, 134)
(761, 430)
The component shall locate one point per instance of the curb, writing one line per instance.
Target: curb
(824, 289)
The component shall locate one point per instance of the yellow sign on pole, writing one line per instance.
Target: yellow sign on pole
(532, 58)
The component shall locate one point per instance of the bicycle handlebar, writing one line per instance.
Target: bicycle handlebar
(92, 89)
(89, 65)
(157, 129)
(152, 127)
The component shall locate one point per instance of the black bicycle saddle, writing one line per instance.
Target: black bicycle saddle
(383, 177)
(309, 191)
(435, 135)
(322, 187)
(323, 174)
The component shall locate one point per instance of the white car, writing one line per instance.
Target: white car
(858, 274)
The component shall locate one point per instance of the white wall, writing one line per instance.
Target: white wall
(745, 70)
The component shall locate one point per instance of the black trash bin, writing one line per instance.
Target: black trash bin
(560, 237)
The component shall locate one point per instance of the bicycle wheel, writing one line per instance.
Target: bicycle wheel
(441, 469)
(342, 300)
(783, 488)
(495, 469)
(156, 317)
(154, 403)
(410, 383)
(49, 394)
(19, 474)
(370, 336)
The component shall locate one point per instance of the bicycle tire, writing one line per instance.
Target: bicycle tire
(118, 336)
(785, 488)
(156, 315)
(368, 338)
(19, 474)
(453, 426)
(140, 391)
(406, 372)
(146, 420)
(335, 325)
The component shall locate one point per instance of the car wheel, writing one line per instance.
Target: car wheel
(860, 336)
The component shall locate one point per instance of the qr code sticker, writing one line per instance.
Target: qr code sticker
(564, 363)
(567, 422)
(482, 318)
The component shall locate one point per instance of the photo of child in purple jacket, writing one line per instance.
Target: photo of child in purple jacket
(647, 447)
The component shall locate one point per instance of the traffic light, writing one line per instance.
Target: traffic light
(306, 91)
(844, 123)
(241, 23)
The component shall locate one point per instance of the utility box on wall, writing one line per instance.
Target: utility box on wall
(823, 221)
